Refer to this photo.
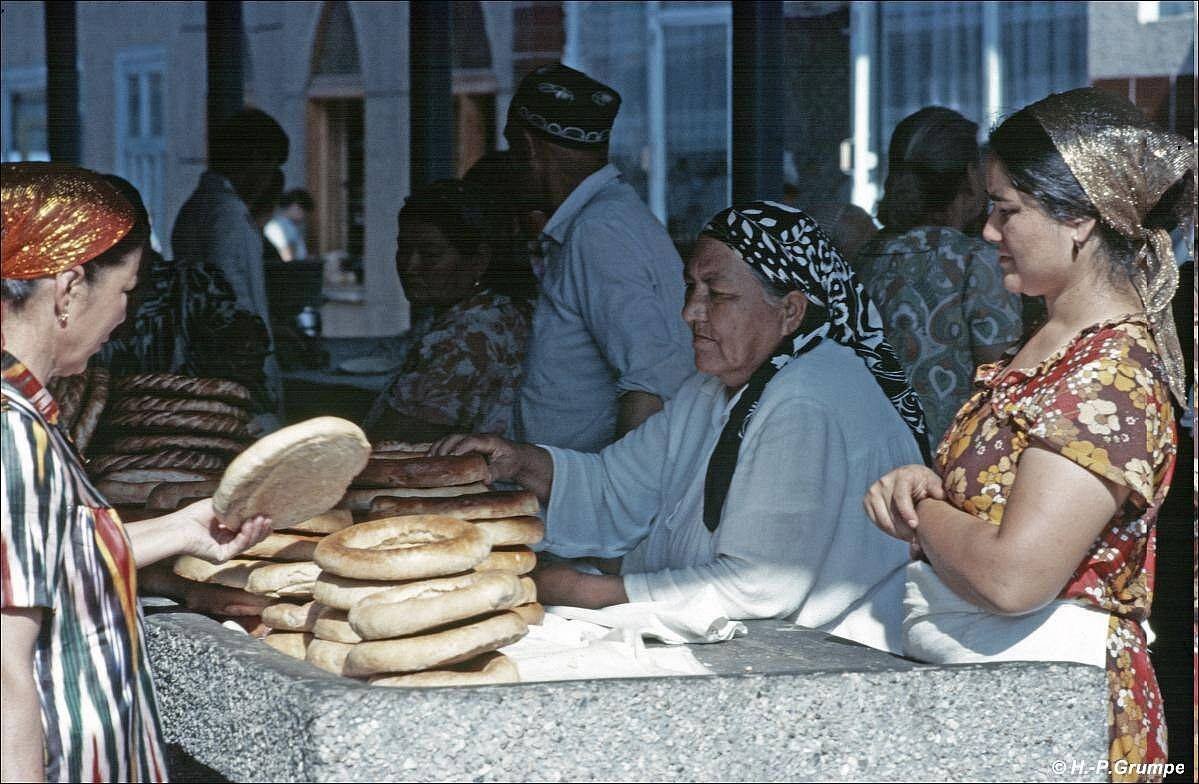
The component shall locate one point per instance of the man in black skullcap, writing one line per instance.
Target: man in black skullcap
(608, 345)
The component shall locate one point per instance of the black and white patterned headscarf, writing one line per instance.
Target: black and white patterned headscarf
(789, 248)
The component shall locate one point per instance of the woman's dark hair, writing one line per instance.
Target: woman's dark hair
(17, 292)
(475, 212)
(297, 196)
(927, 166)
(1036, 168)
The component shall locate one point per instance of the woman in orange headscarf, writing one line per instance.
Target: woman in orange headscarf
(78, 701)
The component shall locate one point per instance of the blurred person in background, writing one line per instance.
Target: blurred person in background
(286, 229)
(607, 347)
(216, 228)
(939, 290)
(456, 255)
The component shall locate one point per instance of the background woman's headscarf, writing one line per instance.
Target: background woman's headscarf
(57, 217)
(1125, 164)
(789, 248)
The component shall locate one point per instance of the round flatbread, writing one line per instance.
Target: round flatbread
(277, 580)
(186, 424)
(418, 607)
(290, 617)
(485, 670)
(169, 496)
(93, 407)
(328, 655)
(167, 384)
(532, 613)
(360, 500)
(343, 593)
(68, 392)
(490, 505)
(182, 459)
(284, 547)
(403, 548)
(403, 471)
(448, 645)
(331, 624)
(325, 523)
(158, 475)
(136, 445)
(517, 560)
(133, 404)
(293, 644)
(294, 473)
(401, 446)
(509, 531)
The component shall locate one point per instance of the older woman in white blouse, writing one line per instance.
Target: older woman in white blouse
(750, 479)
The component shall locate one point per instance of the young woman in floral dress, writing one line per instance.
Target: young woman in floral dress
(1034, 534)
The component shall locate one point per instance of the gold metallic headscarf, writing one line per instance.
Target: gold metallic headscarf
(1125, 164)
(57, 217)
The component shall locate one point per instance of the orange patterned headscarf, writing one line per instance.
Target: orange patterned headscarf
(57, 217)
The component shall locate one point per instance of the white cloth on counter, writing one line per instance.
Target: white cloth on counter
(940, 627)
(794, 541)
(573, 643)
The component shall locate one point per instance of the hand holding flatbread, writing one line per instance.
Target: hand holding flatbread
(295, 473)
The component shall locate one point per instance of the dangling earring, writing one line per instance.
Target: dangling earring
(62, 318)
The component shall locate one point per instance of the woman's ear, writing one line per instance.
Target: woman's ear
(66, 289)
(1082, 230)
(795, 305)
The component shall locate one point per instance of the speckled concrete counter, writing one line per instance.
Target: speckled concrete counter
(785, 704)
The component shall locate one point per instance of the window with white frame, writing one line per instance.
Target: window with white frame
(670, 62)
(24, 114)
(141, 130)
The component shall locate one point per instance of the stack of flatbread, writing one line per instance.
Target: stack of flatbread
(426, 588)
(295, 476)
(163, 431)
(81, 400)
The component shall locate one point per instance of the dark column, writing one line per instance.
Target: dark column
(62, 82)
(759, 100)
(225, 84)
(431, 120)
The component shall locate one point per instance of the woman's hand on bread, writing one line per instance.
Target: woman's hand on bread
(507, 461)
(208, 537)
(891, 501)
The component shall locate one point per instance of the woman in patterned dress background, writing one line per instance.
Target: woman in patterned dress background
(1035, 531)
(78, 697)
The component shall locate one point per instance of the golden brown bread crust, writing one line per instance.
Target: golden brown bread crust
(403, 548)
(517, 560)
(447, 645)
(401, 446)
(343, 593)
(360, 499)
(197, 424)
(325, 523)
(183, 459)
(68, 392)
(158, 475)
(490, 505)
(532, 613)
(331, 624)
(169, 496)
(93, 407)
(509, 531)
(172, 385)
(293, 644)
(328, 655)
(291, 617)
(418, 607)
(284, 547)
(133, 404)
(137, 445)
(487, 669)
(446, 471)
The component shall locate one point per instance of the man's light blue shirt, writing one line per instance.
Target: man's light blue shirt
(608, 319)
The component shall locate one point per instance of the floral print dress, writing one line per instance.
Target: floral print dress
(1101, 402)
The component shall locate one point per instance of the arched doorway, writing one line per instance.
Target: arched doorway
(335, 136)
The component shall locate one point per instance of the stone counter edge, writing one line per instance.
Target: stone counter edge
(252, 714)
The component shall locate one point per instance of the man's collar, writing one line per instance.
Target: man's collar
(586, 190)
